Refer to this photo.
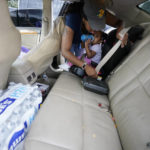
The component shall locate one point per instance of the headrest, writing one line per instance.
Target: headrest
(10, 43)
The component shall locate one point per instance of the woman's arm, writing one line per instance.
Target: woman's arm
(117, 23)
(66, 45)
(67, 39)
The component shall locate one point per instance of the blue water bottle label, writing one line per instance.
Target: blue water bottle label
(86, 37)
(17, 138)
(6, 103)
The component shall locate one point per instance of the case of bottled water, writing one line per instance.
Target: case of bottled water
(18, 106)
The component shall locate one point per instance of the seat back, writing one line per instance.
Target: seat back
(10, 43)
(130, 96)
(42, 55)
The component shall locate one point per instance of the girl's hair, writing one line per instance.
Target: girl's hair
(76, 7)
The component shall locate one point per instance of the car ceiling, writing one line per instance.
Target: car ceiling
(126, 10)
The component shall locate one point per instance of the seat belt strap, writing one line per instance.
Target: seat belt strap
(112, 51)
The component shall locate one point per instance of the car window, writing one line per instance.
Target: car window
(56, 8)
(25, 13)
(145, 6)
(29, 17)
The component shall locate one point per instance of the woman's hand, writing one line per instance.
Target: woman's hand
(90, 71)
(124, 40)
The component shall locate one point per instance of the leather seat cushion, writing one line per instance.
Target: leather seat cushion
(68, 121)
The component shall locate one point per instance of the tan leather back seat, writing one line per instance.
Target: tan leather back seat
(71, 118)
(42, 55)
(38, 59)
(10, 43)
(130, 97)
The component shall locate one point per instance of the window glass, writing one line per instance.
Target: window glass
(145, 6)
(56, 8)
(13, 3)
(26, 13)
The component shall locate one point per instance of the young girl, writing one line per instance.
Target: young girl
(92, 51)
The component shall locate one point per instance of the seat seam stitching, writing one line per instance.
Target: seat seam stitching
(41, 141)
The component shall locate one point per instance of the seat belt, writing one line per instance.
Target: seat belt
(112, 51)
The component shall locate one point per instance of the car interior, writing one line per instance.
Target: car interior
(70, 117)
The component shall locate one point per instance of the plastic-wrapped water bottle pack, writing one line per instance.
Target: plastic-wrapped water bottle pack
(18, 106)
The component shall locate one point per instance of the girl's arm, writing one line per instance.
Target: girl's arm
(89, 52)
